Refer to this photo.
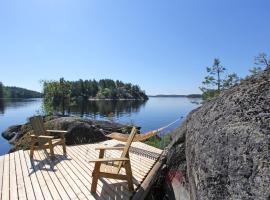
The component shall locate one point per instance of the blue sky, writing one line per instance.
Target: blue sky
(163, 46)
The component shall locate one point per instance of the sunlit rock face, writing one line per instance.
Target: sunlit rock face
(227, 143)
(222, 149)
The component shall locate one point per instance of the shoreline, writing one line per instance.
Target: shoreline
(93, 99)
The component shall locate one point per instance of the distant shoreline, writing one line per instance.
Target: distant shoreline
(94, 99)
(175, 95)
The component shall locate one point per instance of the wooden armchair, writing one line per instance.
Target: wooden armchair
(41, 139)
(103, 169)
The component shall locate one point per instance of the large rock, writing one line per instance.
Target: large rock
(79, 131)
(171, 180)
(11, 132)
(227, 147)
(228, 143)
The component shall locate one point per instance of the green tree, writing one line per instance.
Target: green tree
(255, 70)
(230, 80)
(65, 91)
(262, 60)
(214, 83)
(215, 70)
(56, 93)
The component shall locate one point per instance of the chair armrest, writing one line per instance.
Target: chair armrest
(109, 159)
(33, 136)
(45, 137)
(60, 133)
(56, 131)
(110, 148)
(42, 136)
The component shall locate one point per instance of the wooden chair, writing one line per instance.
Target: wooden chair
(110, 167)
(41, 139)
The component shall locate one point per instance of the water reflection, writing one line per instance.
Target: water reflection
(149, 115)
(100, 108)
(15, 103)
(2, 106)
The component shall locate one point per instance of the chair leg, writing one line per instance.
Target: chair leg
(64, 148)
(129, 176)
(32, 152)
(95, 177)
(95, 174)
(51, 149)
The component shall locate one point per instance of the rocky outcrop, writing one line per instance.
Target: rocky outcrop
(11, 132)
(222, 150)
(228, 143)
(171, 181)
(80, 131)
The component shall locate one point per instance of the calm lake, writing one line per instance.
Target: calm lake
(152, 114)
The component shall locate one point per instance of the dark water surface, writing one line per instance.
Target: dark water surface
(152, 114)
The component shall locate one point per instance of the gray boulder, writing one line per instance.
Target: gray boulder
(79, 131)
(11, 132)
(228, 143)
(222, 150)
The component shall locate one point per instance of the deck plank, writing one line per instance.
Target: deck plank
(53, 175)
(94, 155)
(5, 186)
(137, 168)
(37, 168)
(68, 192)
(70, 177)
(76, 191)
(13, 177)
(80, 189)
(20, 179)
(35, 183)
(27, 180)
(1, 173)
(82, 177)
(110, 187)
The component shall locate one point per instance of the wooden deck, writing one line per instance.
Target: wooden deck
(70, 177)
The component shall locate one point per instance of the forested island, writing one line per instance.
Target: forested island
(66, 92)
(92, 89)
(60, 95)
(17, 92)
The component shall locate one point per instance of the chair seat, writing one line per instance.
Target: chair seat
(55, 142)
(41, 140)
(107, 168)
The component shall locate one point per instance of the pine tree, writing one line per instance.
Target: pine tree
(214, 83)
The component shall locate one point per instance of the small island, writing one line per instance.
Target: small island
(104, 89)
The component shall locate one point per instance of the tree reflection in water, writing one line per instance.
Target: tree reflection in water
(94, 108)
(2, 107)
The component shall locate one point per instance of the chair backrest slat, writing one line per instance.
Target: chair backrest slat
(37, 124)
(127, 146)
(39, 129)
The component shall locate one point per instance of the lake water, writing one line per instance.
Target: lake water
(149, 115)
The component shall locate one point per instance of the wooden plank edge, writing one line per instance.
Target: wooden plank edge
(147, 183)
